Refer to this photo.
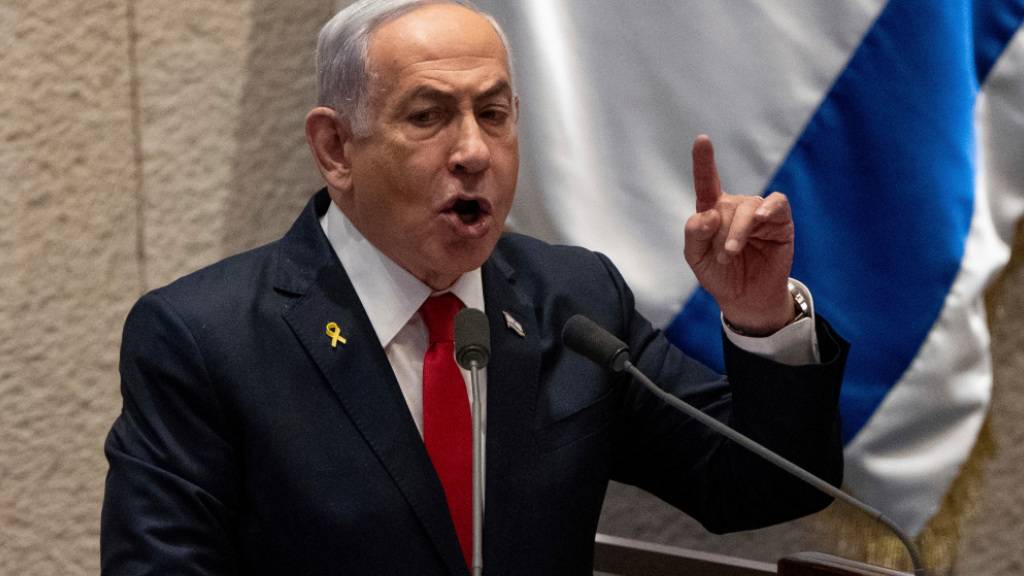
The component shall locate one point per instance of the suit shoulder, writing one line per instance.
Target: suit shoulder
(229, 283)
(548, 265)
(519, 249)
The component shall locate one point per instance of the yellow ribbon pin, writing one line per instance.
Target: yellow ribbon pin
(334, 331)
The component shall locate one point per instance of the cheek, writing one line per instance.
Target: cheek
(505, 151)
(507, 167)
(393, 178)
(416, 169)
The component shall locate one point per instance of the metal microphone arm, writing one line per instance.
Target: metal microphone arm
(779, 461)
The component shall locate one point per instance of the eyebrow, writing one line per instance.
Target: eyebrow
(499, 87)
(429, 92)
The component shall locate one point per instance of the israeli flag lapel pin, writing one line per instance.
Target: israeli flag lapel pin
(513, 324)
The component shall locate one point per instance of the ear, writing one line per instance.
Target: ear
(327, 134)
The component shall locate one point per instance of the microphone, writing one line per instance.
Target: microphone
(586, 337)
(472, 338)
(472, 351)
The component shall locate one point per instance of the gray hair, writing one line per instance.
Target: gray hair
(343, 46)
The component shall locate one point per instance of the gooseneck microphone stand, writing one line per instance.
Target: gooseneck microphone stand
(472, 351)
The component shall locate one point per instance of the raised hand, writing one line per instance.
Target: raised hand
(740, 248)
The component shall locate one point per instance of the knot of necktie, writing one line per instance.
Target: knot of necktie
(438, 314)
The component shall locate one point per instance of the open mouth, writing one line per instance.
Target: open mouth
(468, 211)
(470, 216)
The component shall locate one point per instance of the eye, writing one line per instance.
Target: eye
(494, 114)
(425, 117)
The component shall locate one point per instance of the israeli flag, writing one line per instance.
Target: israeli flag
(897, 131)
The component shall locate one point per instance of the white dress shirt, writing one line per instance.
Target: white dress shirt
(392, 298)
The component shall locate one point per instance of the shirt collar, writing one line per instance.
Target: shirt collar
(390, 295)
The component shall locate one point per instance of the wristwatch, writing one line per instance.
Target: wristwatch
(802, 308)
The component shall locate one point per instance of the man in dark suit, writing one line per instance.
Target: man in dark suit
(276, 418)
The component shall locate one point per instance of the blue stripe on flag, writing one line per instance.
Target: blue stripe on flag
(994, 25)
(882, 183)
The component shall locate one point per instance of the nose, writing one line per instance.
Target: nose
(470, 153)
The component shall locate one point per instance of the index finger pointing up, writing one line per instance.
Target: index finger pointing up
(705, 174)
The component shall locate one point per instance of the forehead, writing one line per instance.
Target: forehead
(446, 36)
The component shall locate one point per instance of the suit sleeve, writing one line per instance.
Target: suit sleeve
(172, 481)
(790, 409)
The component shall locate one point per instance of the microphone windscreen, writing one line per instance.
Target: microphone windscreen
(472, 338)
(586, 337)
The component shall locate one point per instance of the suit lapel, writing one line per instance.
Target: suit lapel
(360, 375)
(512, 379)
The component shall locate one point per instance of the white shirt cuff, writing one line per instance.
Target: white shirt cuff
(794, 345)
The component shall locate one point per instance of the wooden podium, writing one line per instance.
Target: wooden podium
(624, 557)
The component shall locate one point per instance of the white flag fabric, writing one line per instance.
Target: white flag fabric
(897, 131)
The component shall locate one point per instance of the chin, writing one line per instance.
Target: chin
(466, 263)
(468, 257)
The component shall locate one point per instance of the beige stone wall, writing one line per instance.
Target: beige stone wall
(68, 252)
(141, 139)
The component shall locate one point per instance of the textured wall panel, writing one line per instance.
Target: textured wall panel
(68, 255)
(224, 89)
(273, 173)
(192, 59)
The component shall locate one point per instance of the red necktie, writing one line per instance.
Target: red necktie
(447, 425)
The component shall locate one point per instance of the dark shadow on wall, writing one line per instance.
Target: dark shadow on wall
(273, 173)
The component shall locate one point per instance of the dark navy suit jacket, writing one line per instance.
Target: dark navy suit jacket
(249, 445)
